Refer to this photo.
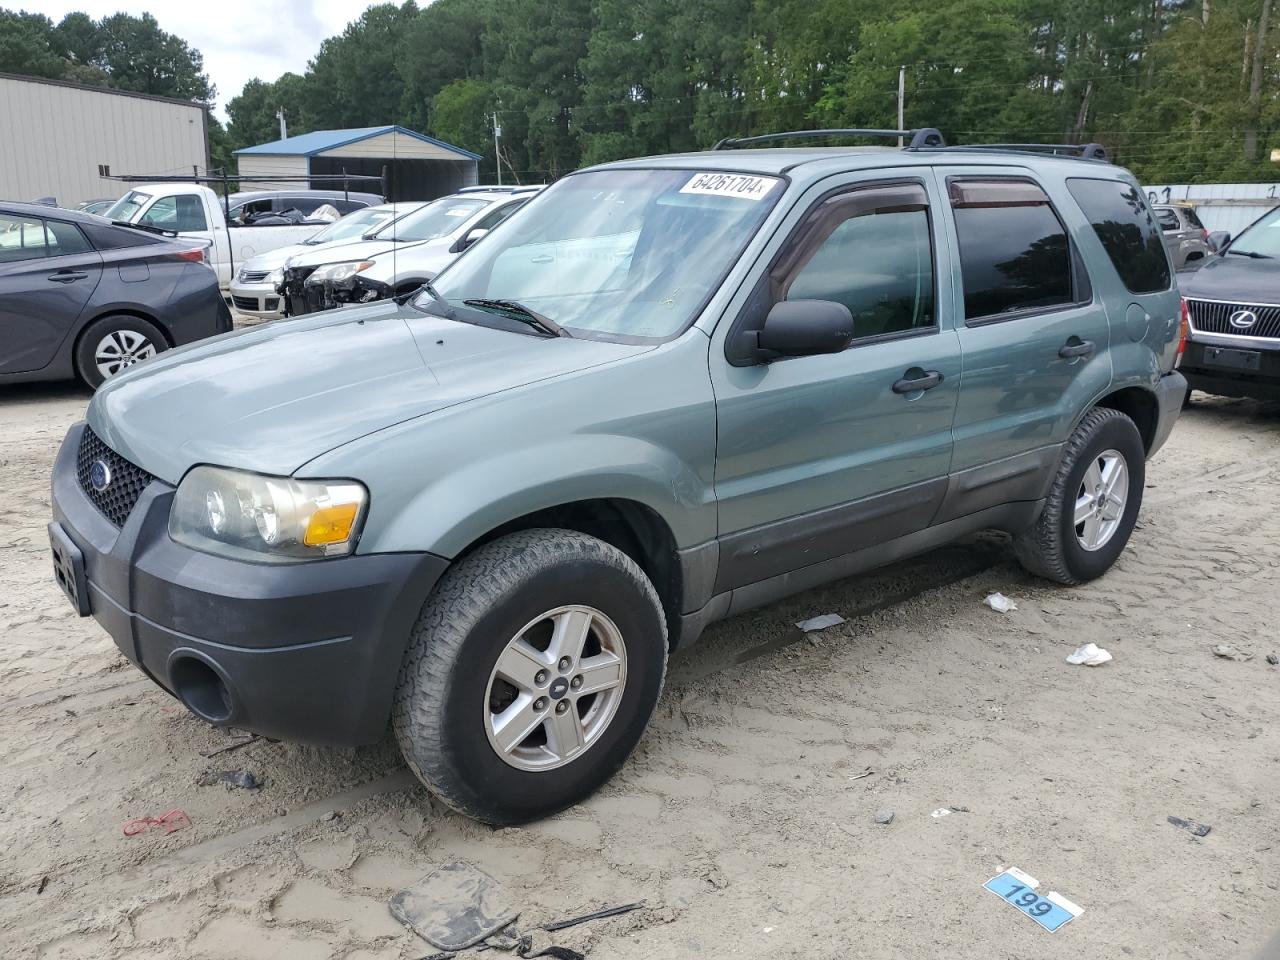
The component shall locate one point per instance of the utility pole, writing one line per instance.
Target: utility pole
(284, 132)
(497, 154)
(902, 88)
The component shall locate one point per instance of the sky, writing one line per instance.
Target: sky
(240, 39)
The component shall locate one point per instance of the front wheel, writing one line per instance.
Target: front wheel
(1093, 503)
(530, 675)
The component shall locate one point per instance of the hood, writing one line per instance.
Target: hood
(273, 258)
(272, 397)
(342, 250)
(424, 259)
(1235, 279)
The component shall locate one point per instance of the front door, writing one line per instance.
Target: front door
(821, 456)
(48, 271)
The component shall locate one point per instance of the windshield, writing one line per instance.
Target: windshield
(1262, 239)
(127, 206)
(630, 253)
(353, 225)
(438, 219)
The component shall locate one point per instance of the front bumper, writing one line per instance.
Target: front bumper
(307, 652)
(257, 300)
(304, 295)
(1170, 392)
(1205, 367)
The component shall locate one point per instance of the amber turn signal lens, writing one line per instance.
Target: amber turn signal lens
(331, 524)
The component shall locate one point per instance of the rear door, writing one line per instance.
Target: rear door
(48, 272)
(1035, 338)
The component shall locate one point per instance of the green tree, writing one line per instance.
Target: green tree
(139, 56)
(26, 45)
(460, 115)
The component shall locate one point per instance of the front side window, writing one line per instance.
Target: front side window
(1014, 252)
(437, 219)
(1128, 230)
(874, 254)
(183, 213)
(618, 253)
(21, 238)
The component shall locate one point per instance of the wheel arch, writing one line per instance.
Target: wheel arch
(130, 311)
(1141, 406)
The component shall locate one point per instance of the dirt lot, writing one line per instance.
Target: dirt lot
(742, 821)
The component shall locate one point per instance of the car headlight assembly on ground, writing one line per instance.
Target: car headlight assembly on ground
(248, 516)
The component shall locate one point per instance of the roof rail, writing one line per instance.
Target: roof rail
(1080, 151)
(925, 137)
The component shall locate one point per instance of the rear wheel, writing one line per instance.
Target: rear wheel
(1093, 503)
(531, 675)
(114, 343)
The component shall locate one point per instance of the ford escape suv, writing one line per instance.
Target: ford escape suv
(671, 390)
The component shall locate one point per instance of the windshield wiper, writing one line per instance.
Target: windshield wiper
(1252, 254)
(518, 311)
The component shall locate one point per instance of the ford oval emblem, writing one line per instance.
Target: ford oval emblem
(99, 475)
(1243, 319)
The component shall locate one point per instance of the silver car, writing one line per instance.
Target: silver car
(1185, 236)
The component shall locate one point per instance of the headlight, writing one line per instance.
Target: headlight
(276, 275)
(338, 272)
(268, 519)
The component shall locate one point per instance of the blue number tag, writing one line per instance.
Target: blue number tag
(1051, 911)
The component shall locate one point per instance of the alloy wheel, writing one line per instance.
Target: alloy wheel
(120, 349)
(1101, 500)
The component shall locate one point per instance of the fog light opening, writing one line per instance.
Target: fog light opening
(200, 688)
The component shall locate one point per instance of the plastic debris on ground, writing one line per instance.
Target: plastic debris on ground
(1091, 655)
(820, 623)
(454, 907)
(587, 917)
(1019, 889)
(1197, 829)
(1273, 660)
(240, 779)
(1000, 603)
(940, 813)
(172, 821)
(1228, 652)
(884, 817)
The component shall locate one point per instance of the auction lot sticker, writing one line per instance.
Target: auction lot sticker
(1015, 887)
(737, 185)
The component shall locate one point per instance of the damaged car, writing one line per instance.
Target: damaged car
(402, 256)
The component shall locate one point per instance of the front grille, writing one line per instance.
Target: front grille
(1209, 316)
(245, 303)
(126, 481)
(253, 276)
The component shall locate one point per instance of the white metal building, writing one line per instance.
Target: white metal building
(418, 167)
(1221, 206)
(62, 140)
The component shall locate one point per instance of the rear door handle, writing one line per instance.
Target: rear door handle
(1081, 348)
(67, 276)
(916, 384)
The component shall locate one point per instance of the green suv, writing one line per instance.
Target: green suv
(666, 391)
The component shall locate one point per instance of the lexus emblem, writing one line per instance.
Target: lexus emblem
(99, 475)
(1243, 319)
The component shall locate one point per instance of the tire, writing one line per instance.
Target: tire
(1055, 546)
(122, 338)
(451, 692)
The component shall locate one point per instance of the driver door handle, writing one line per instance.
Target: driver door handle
(67, 276)
(916, 384)
(1084, 348)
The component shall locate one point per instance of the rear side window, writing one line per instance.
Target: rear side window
(1192, 219)
(65, 239)
(1168, 219)
(1014, 252)
(105, 237)
(1128, 231)
(21, 238)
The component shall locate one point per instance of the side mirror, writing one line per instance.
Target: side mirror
(1218, 240)
(802, 328)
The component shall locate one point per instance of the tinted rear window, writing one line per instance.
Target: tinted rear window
(1014, 254)
(1128, 231)
(106, 237)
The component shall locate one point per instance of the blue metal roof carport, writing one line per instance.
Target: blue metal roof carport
(419, 167)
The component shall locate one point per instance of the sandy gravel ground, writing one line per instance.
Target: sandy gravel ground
(742, 821)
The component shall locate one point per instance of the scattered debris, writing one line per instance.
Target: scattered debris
(1051, 911)
(173, 820)
(865, 773)
(1091, 655)
(454, 907)
(884, 817)
(331, 816)
(956, 808)
(232, 746)
(820, 623)
(1197, 829)
(1000, 603)
(586, 918)
(1273, 660)
(1228, 652)
(241, 779)
(940, 813)
(44, 882)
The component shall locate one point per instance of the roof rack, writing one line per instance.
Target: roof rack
(1081, 151)
(504, 188)
(924, 138)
